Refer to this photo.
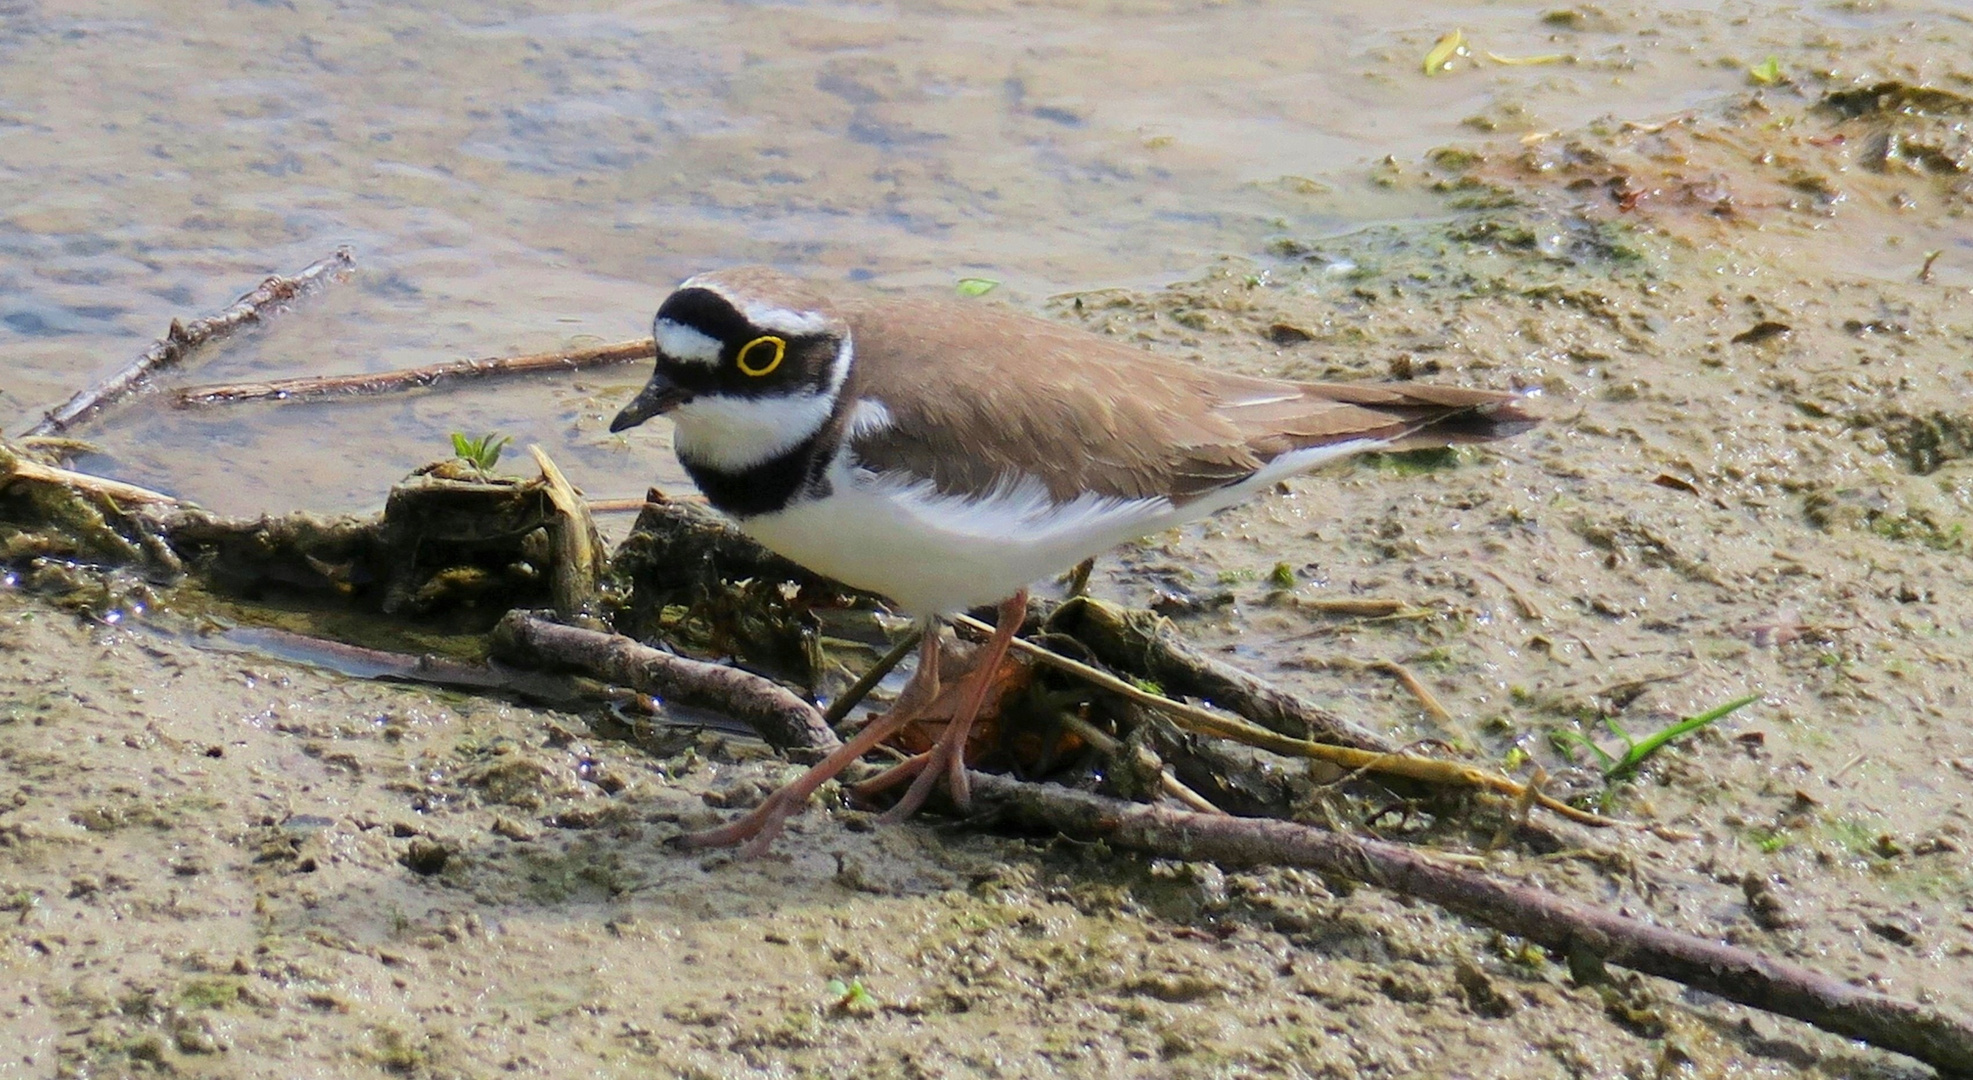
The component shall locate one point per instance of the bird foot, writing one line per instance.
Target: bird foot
(758, 827)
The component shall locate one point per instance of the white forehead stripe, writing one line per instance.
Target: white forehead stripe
(781, 320)
(769, 317)
(681, 342)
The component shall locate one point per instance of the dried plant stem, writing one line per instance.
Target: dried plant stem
(1386, 763)
(182, 338)
(383, 382)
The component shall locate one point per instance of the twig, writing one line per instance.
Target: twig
(1141, 642)
(1931, 1035)
(181, 339)
(784, 720)
(1417, 688)
(117, 490)
(382, 382)
(1382, 762)
(632, 506)
(868, 681)
(1367, 608)
(1412, 684)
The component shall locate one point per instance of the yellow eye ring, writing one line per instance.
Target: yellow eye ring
(747, 351)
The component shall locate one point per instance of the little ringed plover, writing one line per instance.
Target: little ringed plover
(946, 454)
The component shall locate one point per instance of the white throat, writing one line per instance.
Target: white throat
(733, 434)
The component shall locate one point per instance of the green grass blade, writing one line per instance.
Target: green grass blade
(1651, 744)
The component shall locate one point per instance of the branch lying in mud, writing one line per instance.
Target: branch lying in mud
(1930, 1035)
(784, 720)
(182, 338)
(384, 382)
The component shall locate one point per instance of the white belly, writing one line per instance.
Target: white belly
(937, 554)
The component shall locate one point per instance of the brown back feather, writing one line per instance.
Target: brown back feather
(1085, 414)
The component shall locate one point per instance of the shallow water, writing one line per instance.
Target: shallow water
(519, 177)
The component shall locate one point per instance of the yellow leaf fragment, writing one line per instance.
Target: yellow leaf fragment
(1450, 46)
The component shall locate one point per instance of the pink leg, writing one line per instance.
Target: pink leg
(758, 828)
(949, 755)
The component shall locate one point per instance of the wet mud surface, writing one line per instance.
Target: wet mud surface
(1753, 479)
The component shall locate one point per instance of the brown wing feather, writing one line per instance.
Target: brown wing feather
(1085, 414)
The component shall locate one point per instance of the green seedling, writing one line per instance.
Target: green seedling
(1619, 766)
(847, 996)
(482, 453)
(976, 286)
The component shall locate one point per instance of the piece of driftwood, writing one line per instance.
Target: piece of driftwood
(784, 720)
(578, 560)
(1142, 642)
(1931, 1035)
(15, 467)
(182, 338)
(384, 382)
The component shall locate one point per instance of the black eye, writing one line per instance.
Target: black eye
(761, 356)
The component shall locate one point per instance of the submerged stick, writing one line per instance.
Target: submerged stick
(784, 720)
(1931, 1035)
(182, 338)
(384, 382)
(359, 662)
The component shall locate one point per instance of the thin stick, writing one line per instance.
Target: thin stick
(1931, 1035)
(23, 469)
(384, 382)
(868, 681)
(1411, 683)
(1205, 722)
(1367, 608)
(632, 506)
(182, 338)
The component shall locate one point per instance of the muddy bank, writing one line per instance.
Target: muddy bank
(1749, 482)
